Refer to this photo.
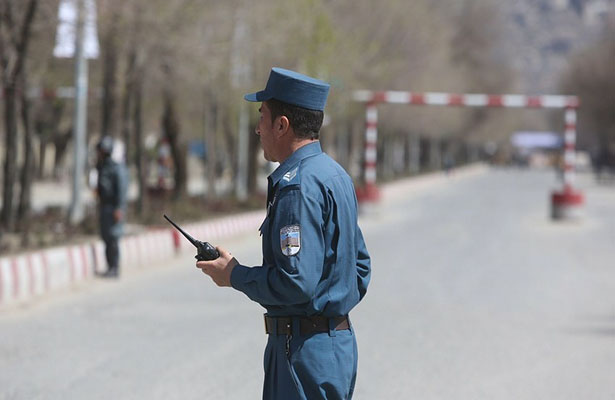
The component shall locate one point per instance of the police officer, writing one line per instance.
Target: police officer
(111, 188)
(316, 267)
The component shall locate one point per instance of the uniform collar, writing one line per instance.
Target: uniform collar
(299, 155)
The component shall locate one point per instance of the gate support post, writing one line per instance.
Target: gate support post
(568, 203)
(369, 192)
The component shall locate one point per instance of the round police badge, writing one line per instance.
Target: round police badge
(290, 239)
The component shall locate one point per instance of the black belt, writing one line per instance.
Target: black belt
(307, 325)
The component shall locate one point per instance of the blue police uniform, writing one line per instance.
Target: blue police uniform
(315, 268)
(315, 262)
(112, 188)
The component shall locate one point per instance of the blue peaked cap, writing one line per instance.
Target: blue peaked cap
(293, 88)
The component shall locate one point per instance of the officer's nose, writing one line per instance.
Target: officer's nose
(257, 131)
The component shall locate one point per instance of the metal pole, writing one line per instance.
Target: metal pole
(76, 211)
(240, 74)
(570, 138)
(567, 204)
(371, 153)
(415, 154)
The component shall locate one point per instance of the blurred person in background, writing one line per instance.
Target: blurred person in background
(316, 267)
(164, 165)
(111, 188)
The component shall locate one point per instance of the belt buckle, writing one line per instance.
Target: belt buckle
(265, 321)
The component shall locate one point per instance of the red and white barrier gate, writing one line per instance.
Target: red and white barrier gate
(565, 203)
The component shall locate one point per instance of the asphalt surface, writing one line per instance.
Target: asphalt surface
(475, 294)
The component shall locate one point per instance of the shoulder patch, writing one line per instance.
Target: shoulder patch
(290, 240)
(289, 176)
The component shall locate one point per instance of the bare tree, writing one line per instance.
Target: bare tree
(109, 49)
(211, 121)
(591, 76)
(171, 129)
(138, 134)
(23, 211)
(15, 25)
(47, 117)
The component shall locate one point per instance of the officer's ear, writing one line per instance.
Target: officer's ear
(281, 125)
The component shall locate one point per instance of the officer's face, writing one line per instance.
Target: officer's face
(264, 130)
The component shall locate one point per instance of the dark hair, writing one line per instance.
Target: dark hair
(306, 123)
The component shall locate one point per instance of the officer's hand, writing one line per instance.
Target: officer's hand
(118, 215)
(219, 269)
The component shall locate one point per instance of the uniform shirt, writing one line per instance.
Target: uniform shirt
(112, 184)
(314, 257)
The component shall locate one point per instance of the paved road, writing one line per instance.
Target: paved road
(475, 295)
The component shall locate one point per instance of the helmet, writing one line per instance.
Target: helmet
(105, 145)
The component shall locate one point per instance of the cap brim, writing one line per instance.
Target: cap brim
(258, 96)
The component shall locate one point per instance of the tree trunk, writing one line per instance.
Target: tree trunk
(171, 129)
(109, 82)
(137, 120)
(10, 161)
(12, 67)
(414, 155)
(60, 143)
(127, 102)
(46, 123)
(212, 124)
(23, 212)
(254, 146)
(435, 159)
(42, 153)
(352, 166)
(341, 144)
(228, 148)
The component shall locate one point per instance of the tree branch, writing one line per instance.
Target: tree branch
(24, 37)
(10, 22)
(5, 25)
(3, 57)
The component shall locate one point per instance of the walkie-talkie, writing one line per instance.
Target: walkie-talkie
(205, 251)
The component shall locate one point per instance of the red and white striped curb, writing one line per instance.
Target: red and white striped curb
(26, 276)
(147, 248)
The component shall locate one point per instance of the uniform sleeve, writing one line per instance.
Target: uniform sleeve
(293, 277)
(121, 187)
(363, 264)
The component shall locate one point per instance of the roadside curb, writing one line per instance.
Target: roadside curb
(26, 276)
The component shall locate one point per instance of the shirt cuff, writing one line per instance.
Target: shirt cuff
(238, 276)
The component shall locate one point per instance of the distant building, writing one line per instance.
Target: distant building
(536, 149)
(530, 140)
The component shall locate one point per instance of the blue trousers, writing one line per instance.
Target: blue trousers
(110, 231)
(310, 367)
